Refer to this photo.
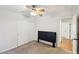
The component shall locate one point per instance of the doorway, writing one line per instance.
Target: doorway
(66, 41)
(75, 33)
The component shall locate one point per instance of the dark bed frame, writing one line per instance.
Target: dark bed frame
(47, 36)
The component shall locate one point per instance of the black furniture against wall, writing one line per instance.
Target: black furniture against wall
(47, 36)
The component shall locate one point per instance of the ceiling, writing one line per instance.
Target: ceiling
(49, 9)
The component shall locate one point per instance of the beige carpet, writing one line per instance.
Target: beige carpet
(34, 47)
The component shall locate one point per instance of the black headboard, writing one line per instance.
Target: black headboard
(47, 36)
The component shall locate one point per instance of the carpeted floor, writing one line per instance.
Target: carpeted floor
(34, 47)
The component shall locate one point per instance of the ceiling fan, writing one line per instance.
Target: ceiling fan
(36, 11)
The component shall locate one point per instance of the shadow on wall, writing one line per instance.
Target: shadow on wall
(28, 17)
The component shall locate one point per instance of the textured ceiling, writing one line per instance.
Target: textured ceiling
(50, 9)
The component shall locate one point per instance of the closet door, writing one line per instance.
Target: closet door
(8, 32)
(65, 29)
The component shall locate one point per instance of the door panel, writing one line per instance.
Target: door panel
(65, 29)
(8, 30)
(74, 33)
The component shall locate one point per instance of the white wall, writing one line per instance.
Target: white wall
(15, 29)
(48, 23)
(26, 31)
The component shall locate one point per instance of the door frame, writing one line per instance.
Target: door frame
(74, 33)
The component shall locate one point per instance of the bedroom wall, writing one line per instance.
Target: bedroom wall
(47, 23)
(15, 29)
(26, 31)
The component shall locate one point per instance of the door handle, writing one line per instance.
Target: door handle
(75, 39)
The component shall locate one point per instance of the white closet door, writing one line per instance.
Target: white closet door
(8, 32)
(65, 29)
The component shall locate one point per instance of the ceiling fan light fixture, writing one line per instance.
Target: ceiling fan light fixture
(36, 11)
(40, 11)
(33, 13)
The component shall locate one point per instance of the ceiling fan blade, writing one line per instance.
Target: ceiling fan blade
(33, 6)
(30, 6)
